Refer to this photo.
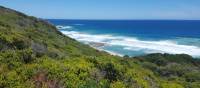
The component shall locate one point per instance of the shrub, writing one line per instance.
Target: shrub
(192, 77)
(117, 84)
(110, 72)
(27, 55)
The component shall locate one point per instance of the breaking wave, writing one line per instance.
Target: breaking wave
(63, 27)
(134, 44)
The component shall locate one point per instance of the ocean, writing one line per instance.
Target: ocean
(135, 37)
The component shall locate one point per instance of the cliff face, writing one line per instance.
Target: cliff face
(34, 54)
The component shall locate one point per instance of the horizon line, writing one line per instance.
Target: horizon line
(124, 19)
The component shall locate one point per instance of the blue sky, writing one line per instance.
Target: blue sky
(107, 9)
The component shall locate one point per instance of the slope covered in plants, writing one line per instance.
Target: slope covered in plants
(33, 54)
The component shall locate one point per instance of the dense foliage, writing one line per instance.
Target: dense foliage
(34, 54)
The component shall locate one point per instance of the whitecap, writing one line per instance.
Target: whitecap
(134, 44)
(78, 24)
(63, 27)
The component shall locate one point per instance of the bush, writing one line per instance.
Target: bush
(117, 85)
(27, 56)
(192, 77)
(110, 72)
(21, 44)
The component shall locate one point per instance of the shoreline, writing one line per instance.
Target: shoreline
(98, 46)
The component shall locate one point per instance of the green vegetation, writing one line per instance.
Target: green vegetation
(33, 54)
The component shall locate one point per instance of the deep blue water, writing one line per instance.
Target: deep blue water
(174, 36)
(154, 28)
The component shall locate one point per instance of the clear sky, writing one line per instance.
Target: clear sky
(108, 9)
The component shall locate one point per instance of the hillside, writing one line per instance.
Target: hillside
(33, 54)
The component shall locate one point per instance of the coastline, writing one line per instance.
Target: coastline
(130, 45)
(98, 46)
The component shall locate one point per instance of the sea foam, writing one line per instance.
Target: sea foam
(63, 27)
(134, 44)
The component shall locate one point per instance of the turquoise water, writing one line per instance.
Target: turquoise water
(136, 37)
